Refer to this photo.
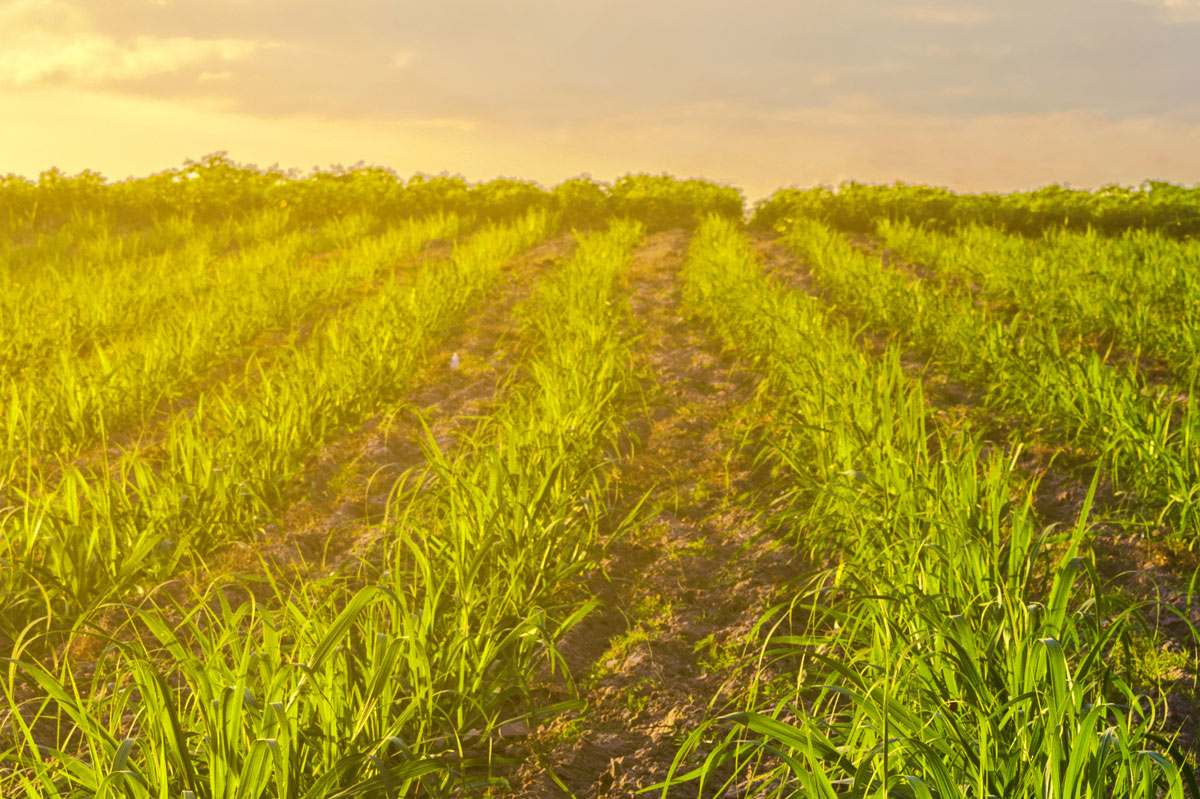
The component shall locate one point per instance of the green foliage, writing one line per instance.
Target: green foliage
(396, 688)
(660, 201)
(1174, 210)
(90, 534)
(582, 202)
(1024, 360)
(1137, 292)
(216, 189)
(213, 328)
(954, 650)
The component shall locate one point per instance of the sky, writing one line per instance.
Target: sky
(761, 94)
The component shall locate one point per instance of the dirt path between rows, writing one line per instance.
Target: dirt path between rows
(686, 587)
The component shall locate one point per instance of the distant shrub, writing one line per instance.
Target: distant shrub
(661, 201)
(1112, 209)
(216, 188)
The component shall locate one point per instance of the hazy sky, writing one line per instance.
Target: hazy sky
(999, 95)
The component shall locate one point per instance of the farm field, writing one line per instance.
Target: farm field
(348, 486)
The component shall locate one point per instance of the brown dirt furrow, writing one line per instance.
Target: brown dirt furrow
(685, 588)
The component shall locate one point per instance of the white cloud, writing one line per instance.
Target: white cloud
(93, 58)
(52, 40)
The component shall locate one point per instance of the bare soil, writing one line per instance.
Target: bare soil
(688, 585)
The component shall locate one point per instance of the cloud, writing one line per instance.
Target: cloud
(98, 59)
(1184, 11)
(953, 15)
(403, 59)
(968, 51)
(764, 93)
(49, 41)
(553, 63)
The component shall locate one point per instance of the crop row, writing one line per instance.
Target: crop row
(1138, 292)
(953, 648)
(71, 402)
(1150, 445)
(89, 244)
(93, 533)
(395, 688)
(91, 302)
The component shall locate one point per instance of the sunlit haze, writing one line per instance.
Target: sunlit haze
(759, 93)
